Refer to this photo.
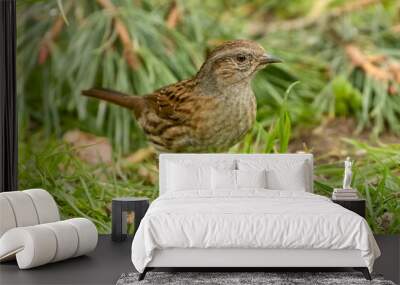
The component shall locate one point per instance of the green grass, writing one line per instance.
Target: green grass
(79, 189)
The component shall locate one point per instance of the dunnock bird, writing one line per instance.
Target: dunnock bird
(210, 112)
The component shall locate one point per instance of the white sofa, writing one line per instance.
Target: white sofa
(31, 231)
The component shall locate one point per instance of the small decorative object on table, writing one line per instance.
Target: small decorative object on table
(346, 193)
(120, 207)
(347, 197)
(347, 173)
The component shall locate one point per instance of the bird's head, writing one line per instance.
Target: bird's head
(234, 62)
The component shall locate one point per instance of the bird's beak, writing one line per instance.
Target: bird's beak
(267, 58)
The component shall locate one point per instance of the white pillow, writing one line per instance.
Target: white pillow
(251, 178)
(181, 177)
(293, 180)
(281, 174)
(223, 179)
(226, 179)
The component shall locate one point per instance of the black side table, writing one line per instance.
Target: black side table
(357, 206)
(120, 207)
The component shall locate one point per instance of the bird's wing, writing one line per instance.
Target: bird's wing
(173, 102)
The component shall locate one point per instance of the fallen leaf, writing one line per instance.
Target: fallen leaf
(139, 156)
(88, 147)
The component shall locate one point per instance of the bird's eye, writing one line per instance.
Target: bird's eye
(241, 58)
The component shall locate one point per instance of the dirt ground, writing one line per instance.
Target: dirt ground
(326, 140)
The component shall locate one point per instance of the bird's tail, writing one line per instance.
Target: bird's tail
(135, 103)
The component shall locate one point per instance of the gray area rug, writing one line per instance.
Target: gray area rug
(233, 278)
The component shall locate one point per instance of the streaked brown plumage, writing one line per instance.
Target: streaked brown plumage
(210, 112)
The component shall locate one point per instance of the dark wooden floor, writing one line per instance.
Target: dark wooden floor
(110, 260)
(389, 262)
(103, 266)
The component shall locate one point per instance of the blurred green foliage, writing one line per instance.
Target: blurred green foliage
(347, 98)
(55, 64)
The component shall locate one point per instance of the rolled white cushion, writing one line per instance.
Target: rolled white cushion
(87, 235)
(7, 218)
(26, 208)
(37, 245)
(46, 207)
(33, 246)
(23, 208)
(66, 238)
